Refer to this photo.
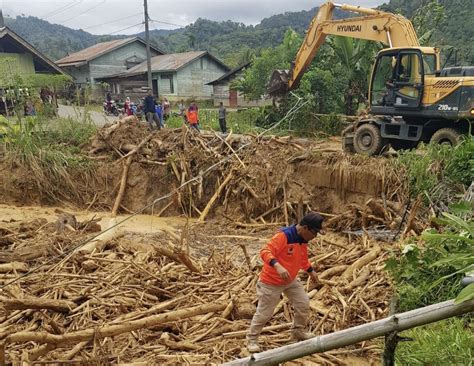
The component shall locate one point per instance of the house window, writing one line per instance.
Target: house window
(166, 84)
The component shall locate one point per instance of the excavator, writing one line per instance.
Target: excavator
(411, 99)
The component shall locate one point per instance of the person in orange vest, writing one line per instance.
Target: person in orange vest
(193, 116)
(283, 257)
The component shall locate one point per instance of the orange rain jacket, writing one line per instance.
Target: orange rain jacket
(290, 250)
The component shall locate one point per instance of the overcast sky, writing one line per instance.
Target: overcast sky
(113, 16)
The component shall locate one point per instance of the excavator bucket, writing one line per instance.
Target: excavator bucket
(278, 85)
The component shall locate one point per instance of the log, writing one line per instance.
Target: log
(123, 184)
(366, 259)
(99, 242)
(363, 276)
(177, 256)
(13, 266)
(62, 306)
(360, 333)
(113, 330)
(138, 147)
(215, 196)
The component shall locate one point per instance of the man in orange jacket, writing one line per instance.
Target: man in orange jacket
(283, 257)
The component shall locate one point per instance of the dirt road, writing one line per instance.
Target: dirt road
(98, 118)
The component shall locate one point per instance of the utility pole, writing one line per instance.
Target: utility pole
(147, 41)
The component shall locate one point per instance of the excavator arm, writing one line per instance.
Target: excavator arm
(391, 29)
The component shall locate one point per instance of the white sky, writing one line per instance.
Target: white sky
(112, 16)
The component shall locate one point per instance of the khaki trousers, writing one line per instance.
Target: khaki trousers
(269, 297)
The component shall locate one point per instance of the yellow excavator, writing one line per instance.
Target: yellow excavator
(410, 98)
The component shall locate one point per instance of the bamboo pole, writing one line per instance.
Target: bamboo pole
(115, 329)
(364, 332)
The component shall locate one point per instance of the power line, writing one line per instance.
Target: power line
(62, 9)
(113, 21)
(84, 12)
(168, 23)
(118, 31)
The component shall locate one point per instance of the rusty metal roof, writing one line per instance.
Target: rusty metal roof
(99, 49)
(168, 62)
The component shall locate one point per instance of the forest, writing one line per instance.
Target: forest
(232, 41)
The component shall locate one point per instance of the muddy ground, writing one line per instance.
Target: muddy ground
(207, 203)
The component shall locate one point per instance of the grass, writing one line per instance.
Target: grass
(49, 150)
(448, 342)
(241, 121)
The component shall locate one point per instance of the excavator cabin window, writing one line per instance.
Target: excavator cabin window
(398, 79)
(383, 79)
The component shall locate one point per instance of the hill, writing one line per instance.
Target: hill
(233, 42)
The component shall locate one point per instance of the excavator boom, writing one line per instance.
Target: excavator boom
(391, 29)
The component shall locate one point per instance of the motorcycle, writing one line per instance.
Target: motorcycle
(111, 109)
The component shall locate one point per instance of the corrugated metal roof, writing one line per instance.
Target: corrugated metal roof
(170, 62)
(230, 74)
(90, 53)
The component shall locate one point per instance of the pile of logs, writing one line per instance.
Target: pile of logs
(154, 299)
(253, 171)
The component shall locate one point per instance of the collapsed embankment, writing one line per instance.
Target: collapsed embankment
(244, 178)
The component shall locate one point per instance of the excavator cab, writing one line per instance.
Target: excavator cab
(397, 81)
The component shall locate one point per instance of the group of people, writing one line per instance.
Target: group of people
(156, 112)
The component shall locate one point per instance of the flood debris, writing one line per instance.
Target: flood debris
(166, 298)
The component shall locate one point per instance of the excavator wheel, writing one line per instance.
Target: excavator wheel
(367, 140)
(446, 136)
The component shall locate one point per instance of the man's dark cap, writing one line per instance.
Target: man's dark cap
(312, 220)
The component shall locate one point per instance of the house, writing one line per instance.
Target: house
(106, 58)
(18, 57)
(23, 58)
(175, 76)
(222, 90)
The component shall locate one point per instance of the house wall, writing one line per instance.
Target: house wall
(221, 93)
(15, 64)
(191, 79)
(79, 74)
(112, 62)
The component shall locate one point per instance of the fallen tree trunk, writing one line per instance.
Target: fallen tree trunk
(113, 330)
(215, 196)
(123, 184)
(364, 332)
(62, 306)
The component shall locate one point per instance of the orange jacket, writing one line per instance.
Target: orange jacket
(290, 250)
(193, 117)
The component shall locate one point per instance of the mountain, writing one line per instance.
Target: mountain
(231, 41)
(456, 30)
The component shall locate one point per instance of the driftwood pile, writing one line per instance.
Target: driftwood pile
(156, 299)
(254, 180)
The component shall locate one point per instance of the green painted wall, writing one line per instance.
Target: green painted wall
(12, 64)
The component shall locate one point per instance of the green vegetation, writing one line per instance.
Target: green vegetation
(429, 268)
(240, 121)
(449, 342)
(438, 171)
(234, 42)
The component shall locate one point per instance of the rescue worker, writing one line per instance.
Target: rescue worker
(283, 257)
